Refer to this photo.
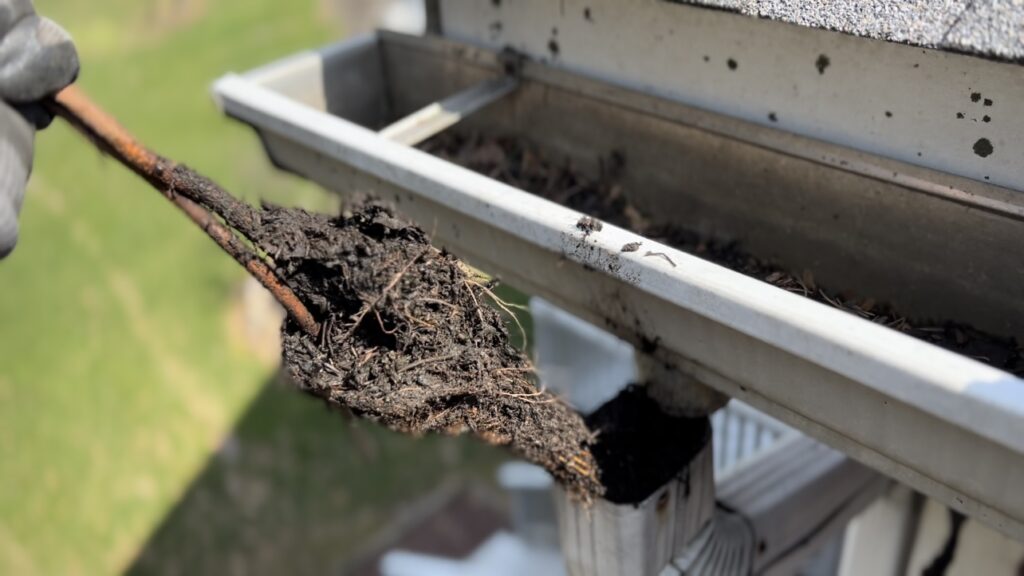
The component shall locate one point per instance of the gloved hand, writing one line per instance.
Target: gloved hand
(37, 59)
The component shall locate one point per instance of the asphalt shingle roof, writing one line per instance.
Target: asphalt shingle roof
(993, 28)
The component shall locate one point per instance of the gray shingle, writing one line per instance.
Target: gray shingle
(987, 27)
(993, 27)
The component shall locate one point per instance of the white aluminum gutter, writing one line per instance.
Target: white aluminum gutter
(942, 423)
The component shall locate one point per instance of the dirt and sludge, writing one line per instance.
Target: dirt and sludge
(601, 198)
(639, 448)
(407, 340)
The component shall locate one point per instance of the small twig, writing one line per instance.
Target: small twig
(479, 314)
(423, 361)
(578, 465)
(833, 303)
(380, 321)
(187, 189)
(527, 370)
(504, 306)
(660, 255)
(383, 294)
(441, 302)
(410, 316)
(325, 335)
(366, 358)
(527, 396)
(522, 394)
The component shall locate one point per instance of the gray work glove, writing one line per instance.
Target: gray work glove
(37, 59)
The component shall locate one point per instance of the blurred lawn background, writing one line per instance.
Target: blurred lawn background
(137, 416)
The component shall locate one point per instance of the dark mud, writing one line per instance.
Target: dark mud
(514, 162)
(407, 339)
(589, 225)
(639, 448)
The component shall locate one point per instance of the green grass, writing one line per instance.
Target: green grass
(298, 492)
(120, 374)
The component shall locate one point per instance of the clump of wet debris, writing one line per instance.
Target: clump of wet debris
(515, 162)
(407, 339)
(639, 448)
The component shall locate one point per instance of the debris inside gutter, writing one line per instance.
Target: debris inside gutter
(517, 163)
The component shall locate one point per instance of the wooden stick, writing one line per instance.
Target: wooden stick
(190, 191)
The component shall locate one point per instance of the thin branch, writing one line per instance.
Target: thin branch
(193, 193)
